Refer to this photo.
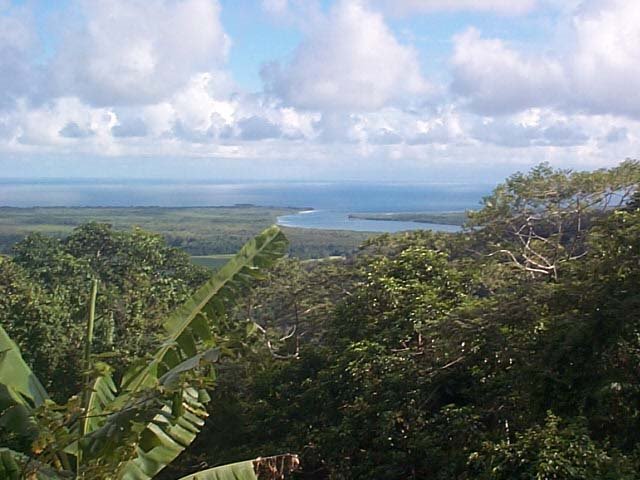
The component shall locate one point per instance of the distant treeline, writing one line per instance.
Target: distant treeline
(438, 218)
(198, 230)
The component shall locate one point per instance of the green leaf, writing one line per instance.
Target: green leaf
(184, 327)
(102, 394)
(165, 437)
(264, 468)
(17, 466)
(235, 471)
(148, 400)
(9, 467)
(209, 356)
(17, 377)
(20, 390)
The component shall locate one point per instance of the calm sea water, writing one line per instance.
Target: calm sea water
(331, 202)
(338, 220)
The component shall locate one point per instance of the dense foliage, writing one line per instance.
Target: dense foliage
(507, 351)
(441, 359)
(44, 289)
(134, 430)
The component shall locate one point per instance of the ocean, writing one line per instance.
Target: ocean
(331, 202)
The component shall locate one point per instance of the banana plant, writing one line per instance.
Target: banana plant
(134, 431)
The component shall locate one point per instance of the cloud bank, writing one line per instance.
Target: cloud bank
(154, 78)
(593, 71)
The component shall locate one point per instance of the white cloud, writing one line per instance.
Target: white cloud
(384, 136)
(498, 79)
(444, 128)
(73, 130)
(511, 134)
(594, 70)
(617, 134)
(200, 106)
(258, 128)
(505, 7)
(139, 51)
(149, 81)
(338, 127)
(349, 60)
(276, 7)
(302, 14)
(62, 122)
(130, 127)
(18, 78)
(605, 62)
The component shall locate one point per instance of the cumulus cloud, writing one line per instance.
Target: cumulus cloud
(257, 128)
(498, 79)
(617, 134)
(438, 132)
(505, 7)
(349, 60)
(18, 77)
(392, 126)
(507, 134)
(61, 121)
(537, 128)
(338, 127)
(73, 130)
(276, 7)
(148, 78)
(605, 63)
(200, 106)
(129, 127)
(594, 73)
(385, 136)
(139, 51)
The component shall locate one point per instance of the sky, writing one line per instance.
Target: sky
(372, 90)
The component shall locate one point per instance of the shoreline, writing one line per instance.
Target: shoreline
(454, 218)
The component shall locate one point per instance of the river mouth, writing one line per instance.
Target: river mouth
(339, 220)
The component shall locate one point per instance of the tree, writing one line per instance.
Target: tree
(539, 221)
(141, 279)
(431, 367)
(136, 430)
(556, 449)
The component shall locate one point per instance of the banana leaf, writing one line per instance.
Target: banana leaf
(102, 394)
(190, 324)
(21, 384)
(174, 419)
(262, 468)
(20, 390)
(16, 466)
(235, 471)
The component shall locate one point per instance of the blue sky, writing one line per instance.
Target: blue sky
(292, 89)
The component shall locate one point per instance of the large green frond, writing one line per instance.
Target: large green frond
(20, 390)
(158, 398)
(262, 468)
(17, 377)
(102, 392)
(235, 471)
(166, 436)
(189, 325)
(17, 466)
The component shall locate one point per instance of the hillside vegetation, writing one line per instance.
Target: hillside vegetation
(199, 231)
(509, 350)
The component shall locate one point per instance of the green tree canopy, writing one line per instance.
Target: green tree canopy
(141, 279)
